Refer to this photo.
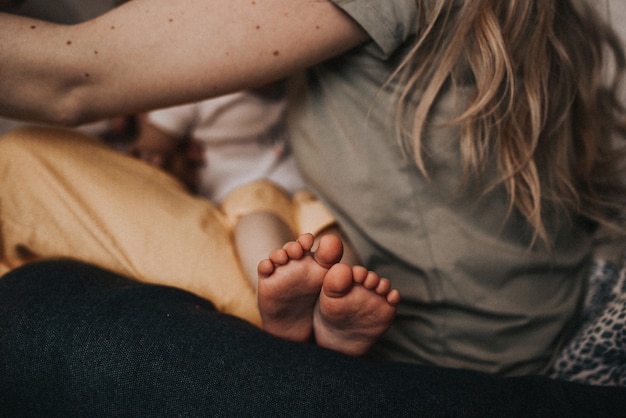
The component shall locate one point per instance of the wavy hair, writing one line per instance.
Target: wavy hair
(543, 108)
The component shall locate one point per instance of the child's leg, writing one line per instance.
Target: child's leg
(256, 235)
(63, 194)
(261, 218)
(355, 308)
(290, 282)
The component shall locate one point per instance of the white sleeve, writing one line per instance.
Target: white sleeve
(176, 121)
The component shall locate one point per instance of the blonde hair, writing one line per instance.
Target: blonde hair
(542, 108)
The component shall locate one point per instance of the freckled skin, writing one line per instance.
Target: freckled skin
(108, 91)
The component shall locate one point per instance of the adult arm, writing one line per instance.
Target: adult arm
(155, 53)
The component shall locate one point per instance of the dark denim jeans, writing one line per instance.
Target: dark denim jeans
(76, 340)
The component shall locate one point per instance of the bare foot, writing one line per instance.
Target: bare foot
(290, 282)
(355, 308)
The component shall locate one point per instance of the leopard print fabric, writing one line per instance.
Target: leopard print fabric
(596, 354)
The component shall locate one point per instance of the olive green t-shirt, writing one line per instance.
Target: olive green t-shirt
(475, 294)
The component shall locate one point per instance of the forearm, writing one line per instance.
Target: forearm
(149, 54)
(33, 84)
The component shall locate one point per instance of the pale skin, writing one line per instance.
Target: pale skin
(150, 54)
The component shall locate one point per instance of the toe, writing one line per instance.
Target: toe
(338, 281)
(383, 288)
(294, 250)
(371, 281)
(329, 251)
(265, 268)
(393, 297)
(279, 257)
(359, 274)
(306, 241)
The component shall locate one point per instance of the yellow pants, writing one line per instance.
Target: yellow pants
(64, 194)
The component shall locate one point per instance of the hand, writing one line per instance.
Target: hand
(151, 157)
(152, 145)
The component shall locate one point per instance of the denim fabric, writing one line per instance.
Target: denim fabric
(76, 340)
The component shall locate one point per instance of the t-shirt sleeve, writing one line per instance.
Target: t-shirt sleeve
(176, 120)
(388, 22)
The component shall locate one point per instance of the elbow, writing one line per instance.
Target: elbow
(46, 108)
(49, 101)
(70, 102)
(69, 111)
(69, 119)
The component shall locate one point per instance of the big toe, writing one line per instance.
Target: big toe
(338, 281)
(329, 250)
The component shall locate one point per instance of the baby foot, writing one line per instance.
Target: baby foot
(355, 308)
(290, 282)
